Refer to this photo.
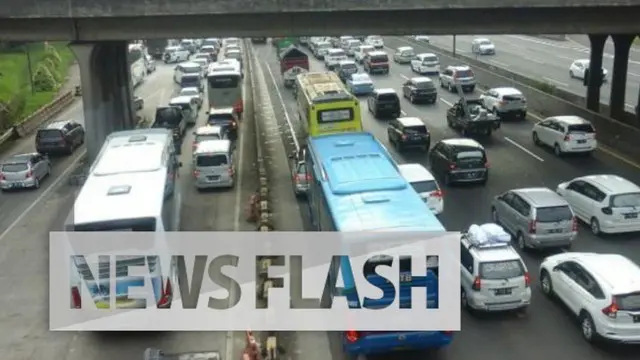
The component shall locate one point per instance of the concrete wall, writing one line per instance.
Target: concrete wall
(614, 134)
(558, 37)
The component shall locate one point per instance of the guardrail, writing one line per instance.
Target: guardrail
(613, 134)
(33, 121)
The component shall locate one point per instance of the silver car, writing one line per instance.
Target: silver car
(537, 217)
(24, 171)
(454, 76)
(299, 173)
(403, 55)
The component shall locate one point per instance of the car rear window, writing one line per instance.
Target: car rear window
(211, 160)
(464, 73)
(349, 67)
(430, 59)
(553, 214)
(425, 186)
(191, 69)
(424, 85)
(498, 270)
(386, 98)
(169, 115)
(628, 302)
(415, 129)
(337, 115)
(379, 59)
(513, 97)
(220, 118)
(470, 157)
(626, 200)
(12, 168)
(582, 128)
(201, 138)
(190, 80)
(224, 81)
(49, 134)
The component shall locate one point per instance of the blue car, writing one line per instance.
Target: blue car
(360, 84)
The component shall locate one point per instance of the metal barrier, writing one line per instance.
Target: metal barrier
(43, 114)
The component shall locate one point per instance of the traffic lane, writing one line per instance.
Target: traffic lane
(543, 63)
(14, 203)
(511, 149)
(582, 41)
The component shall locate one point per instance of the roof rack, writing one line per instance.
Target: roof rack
(487, 236)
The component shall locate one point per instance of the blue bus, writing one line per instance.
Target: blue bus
(356, 186)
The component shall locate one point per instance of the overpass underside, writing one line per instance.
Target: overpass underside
(569, 20)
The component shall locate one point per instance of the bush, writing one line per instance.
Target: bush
(50, 52)
(43, 79)
(53, 69)
(546, 87)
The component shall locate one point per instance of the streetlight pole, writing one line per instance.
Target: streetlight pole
(28, 53)
(454, 45)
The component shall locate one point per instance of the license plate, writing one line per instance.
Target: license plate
(405, 277)
(213, 178)
(631, 216)
(582, 141)
(636, 318)
(17, 185)
(554, 231)
(505, 291)
(471, 175)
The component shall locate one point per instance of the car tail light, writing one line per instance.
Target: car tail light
(567, 138)
(611, 310)
(76, 300)
(301, 177)
(308, 177)
(437, 193)
(477, 284)
(352, 336)
(238, 106)
(230, 171)
(233, 124)
(167, 295)
(487, 165)
(527, 279)
(404, 137)
(1, 176)
(532, 227)
(196, 173)
(29, 174)
(574, 224)
(452, 166)
(195, 145)
(607, 211)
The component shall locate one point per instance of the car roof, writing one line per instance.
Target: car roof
(228, 110)
(189, 64)
(426, 54)
(188, 75)
(582, 60)
(209, 129)
(385, 91)
(481, 39)
(180, 100)
(541, 197)
(501, 253)
(19, 158)
(411, 121)
(463, 142)
(507, 91)
(415, 172)
(570, 119)
(616, 271)
(401, 48)
(347, 62)
(335, 50)
(376, 53)
(57, 125)
(459, 67)
(212, 146)
(367, 46)
(192, 88)
(421, 79)
(612, 183)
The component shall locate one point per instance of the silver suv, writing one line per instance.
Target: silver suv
(24, 171)
(537, 217)
(454, 76)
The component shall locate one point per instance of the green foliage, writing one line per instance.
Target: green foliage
(43, 79)
(546, 87)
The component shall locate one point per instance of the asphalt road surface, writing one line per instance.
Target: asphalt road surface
(27, 217)
(547, 332)
(548, 60)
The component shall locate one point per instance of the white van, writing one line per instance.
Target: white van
(425, 185)
(213, 164)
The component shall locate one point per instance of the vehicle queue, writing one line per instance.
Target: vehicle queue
(535, 218)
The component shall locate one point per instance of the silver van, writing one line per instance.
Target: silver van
(536, 217)
(213, 164)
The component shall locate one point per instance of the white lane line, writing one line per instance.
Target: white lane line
(404, 77)
(446, 102)
(537, 61)
(554, 81)
(629, 106)
(634, 74)
(284, 106)
(500, 64)
(403, 113)
(564, 57)
(524, 149)
(46, 192)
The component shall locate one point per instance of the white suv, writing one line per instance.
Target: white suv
(602, 290)
(565, 134)
(608, 203)
(363, 50)
(425, 184)
(493, 276)
(505, 102)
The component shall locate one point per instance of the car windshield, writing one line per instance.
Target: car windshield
(430, 59)
(379, 59)
(211, 160)
(628, 302)
(470, 158)
(498, 270)
(216, 118)
(12, 168)
(388, 98)
(464, 73)
(485, 42)
(424, 85)
(553, 214)
(337, 53)
(49, 134)
(581, 128)
(626, 200)
(375, 38)
(425, 186)
(415, 130)
(363, 78)
(189, 92)
(407, 52)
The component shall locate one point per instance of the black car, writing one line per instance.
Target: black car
(420, 89)
(409, 132)
(459, 160)
(384, 103)
(259, 40)
(225, 118)
(57, 137)
(345, 69)
(172, 118)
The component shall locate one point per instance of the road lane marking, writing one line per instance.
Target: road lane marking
(403, 113)
(537, 61)
(446, 102)
(501, 64)
(560, 83)
(404, 77)
(634, 74)
(284, 106)
(524, 149)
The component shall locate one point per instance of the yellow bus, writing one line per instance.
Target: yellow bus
(325, 106)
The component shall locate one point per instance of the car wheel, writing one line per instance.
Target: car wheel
(594, 224)
(449, 87)
(545, 284)
(494, 216)
(571, 75)
(587, 326)
(49, 170)
(557, 150)
(464, 302)
(412, 99)
(36, 183)
(522, 245)
(536, 140)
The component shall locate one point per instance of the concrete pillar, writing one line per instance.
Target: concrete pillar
(107, 94)
(622, 44)
(594, 74)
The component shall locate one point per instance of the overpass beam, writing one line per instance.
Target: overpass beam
(595, 77)
(622, 44)
(107, 94)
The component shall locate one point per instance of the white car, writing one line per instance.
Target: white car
(175, 54)
(580, 67)
(425, 185)
(193, 93)
(602, 290)
(375, 41)
(505, 102)
(333, 57)
(426, 63)
(608, 203)
(565, 134)
(320, 49)
(423, 38)
(362, 51)
(483, 46)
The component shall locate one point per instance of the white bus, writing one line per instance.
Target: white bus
(131, 185)
(224, 89)
(136, 61)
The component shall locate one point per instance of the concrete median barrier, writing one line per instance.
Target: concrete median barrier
(618, 136)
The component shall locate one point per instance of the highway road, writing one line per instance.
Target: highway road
(549, 60)
(27, 217)
(547, 332)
